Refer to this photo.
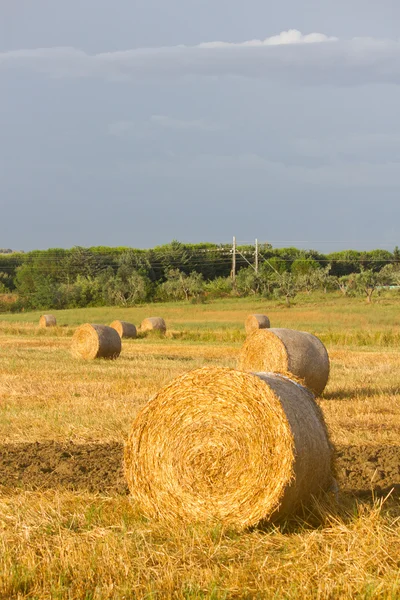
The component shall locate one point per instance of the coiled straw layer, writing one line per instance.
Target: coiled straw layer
(96, 341)
(287, 351)
(124, 329)
(153, 324)
(47, 321)
(222, 445)
(254, 322)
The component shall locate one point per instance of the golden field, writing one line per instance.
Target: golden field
(65, 535)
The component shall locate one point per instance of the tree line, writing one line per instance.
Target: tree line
(79, 277)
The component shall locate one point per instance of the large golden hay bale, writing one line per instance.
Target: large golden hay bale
(220, 444)
(153, 324)
(47, 321)
(124, 329)
(96, 341)
(287, 351)
(254, 322)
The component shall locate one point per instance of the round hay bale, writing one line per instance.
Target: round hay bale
(225, 445)
(47, 321)
(124, 329)
(254, 322)
(153, 324)
(96, 341)
(287, 351)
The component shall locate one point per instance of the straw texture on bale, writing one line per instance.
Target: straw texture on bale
(124, 329)
(153, 324)
(96, 341)
(287, 351)
(47, 321)
(223, 445)
(254, 322)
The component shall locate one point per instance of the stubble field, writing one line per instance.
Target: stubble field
(68, 527)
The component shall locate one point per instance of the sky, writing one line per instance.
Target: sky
(136, 122)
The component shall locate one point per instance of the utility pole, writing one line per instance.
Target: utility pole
(234, 261)
(256, 258)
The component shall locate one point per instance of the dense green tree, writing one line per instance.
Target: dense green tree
(304, 266)
(179, 286)
(220, 287)
(129, 291)
(326, 281)
(6, 283)
(391, 274)
(9, 264)
(79, 262)
(345, 262)
(345, 283)
(287, 286)
(368, 281)
(102, 275)
(248, 282)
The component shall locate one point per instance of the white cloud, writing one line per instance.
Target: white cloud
(292, 36)
(290, 56)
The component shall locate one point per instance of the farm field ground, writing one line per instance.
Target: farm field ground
(68, 527)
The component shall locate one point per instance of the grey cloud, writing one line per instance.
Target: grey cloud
(184, 125)
(142, 129)
(335, 175)
(291, 56)
(122, 128)
(370, 147)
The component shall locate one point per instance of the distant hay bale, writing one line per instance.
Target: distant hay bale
(287, 351)
(124, 329)
(254, 322)
(96, 341)
(47, 321)
(153, 324)
(225, 445)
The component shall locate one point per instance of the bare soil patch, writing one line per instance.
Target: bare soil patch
(48, 465)
(97, 468)
(362, 469)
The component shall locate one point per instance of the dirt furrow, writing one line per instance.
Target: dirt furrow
(98, 467)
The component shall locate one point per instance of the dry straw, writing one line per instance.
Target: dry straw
(47, 321)
(96, 341)
(287, 351)
(224, 445)
(124, 329)
(153, 324)
(254, 322)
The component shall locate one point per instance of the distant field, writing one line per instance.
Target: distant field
(330, 316)
(68, 529)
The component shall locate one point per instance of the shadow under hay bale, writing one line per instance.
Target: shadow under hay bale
(255, 322)
(47, 321)
(95, 341)
(153, 324)
(224, 445)
(124, 329)
(287, 351)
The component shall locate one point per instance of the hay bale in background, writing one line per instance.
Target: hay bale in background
(47, 321)
(287, 351)
(153, 324)
(220, 444)
(96, 341)
(254, 322)
(124, 329)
